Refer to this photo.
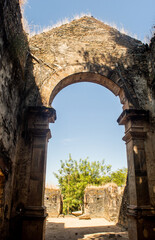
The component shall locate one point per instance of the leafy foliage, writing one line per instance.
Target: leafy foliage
(119, 176)
(74, 176)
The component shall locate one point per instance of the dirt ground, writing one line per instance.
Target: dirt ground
(71, 228)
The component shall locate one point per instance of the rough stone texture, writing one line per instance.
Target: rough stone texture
(151, 65)
(13, 50)
(28, 195)
(104, 201)
(53, 202)
(88, 45)
(2, 181)
(122, 218)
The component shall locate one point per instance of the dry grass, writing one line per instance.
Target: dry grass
(22, 2)
(32, 30)
(111, 184)
(50, 186)
(37, 29)
(25, 24)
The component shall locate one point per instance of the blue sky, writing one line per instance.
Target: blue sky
(136, 16)
(86, 127)
(87, 113)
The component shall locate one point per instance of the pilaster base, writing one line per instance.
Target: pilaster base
(141, 223)
(33, 223)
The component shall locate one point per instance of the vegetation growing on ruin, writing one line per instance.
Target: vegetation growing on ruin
(74, 176)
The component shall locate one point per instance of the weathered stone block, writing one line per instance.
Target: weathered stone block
(53, 202)
(104, 201)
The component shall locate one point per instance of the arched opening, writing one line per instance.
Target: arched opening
(91, 107)
(135, 122)
(93, 78)
(106, 110)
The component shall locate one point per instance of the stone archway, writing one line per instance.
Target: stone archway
(136, 129)
(93, 78)
(85, 50)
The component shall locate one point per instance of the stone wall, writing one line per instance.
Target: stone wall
(13, 55)
(53, 202)
(88, 45)
(104, 201)
(2, 181)
(152, 66)
(122, 218)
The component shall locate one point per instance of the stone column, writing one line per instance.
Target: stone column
(141, 216)
(34, 216)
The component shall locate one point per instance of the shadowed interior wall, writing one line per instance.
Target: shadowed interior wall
(13, 56)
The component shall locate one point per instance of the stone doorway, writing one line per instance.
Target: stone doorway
(135, 122)
(136, 127)
(80, 89)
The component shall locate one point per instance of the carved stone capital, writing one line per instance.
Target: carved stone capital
(143, 211)
(35, 212)
(134, 135)
(37, 132)
(132, 114)
(38, 121)
(46, 112)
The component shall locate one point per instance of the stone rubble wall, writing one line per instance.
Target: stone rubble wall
(53, 202)
(13, 55)
(2, 181)
(122, 218)
(152, 68)
(103, 201)
(88, 45)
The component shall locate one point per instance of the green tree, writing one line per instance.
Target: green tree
(119, 176)
(74, 176)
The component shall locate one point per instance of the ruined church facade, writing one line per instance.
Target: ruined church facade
(32, 72)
